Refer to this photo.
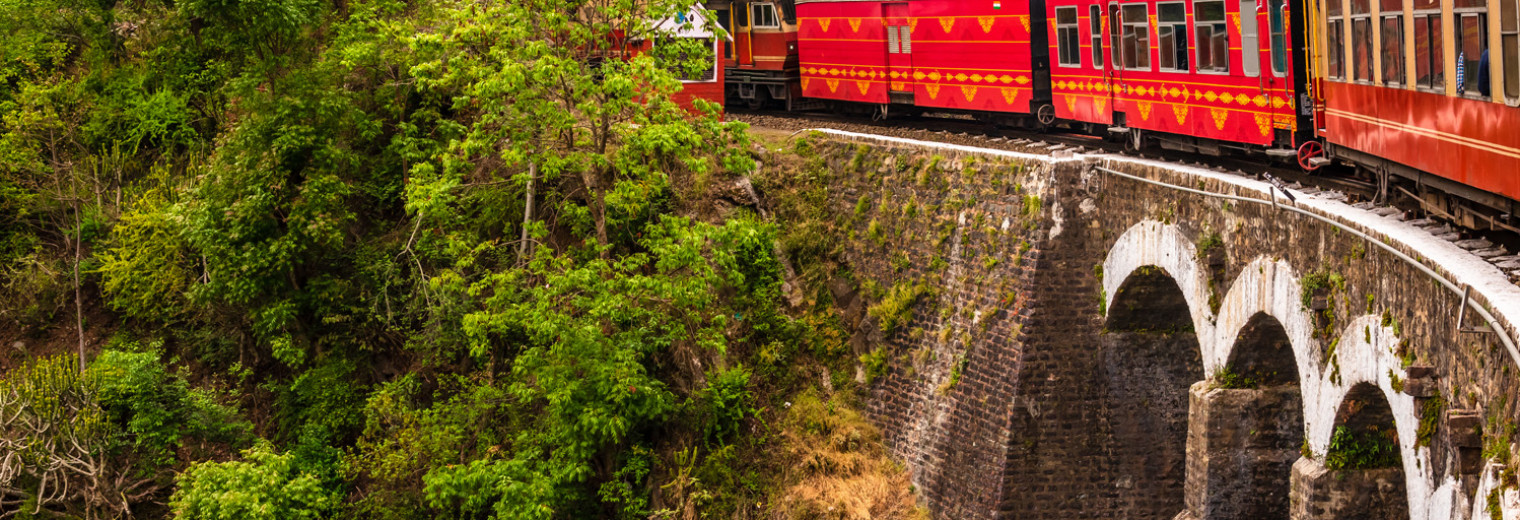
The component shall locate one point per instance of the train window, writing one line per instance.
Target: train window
(892, 47)
(1335, 34)
(1068, 42)
(1276, 18)
(1213, 36)
(765, 16)
(1361, 40)
(1113, 36)
(905, 37)
(741, 17)
(1393, 50)
(1250, 44)
(1429, 48)
(1172, 36)
(1472, 47)
(1509, 41)
(1137, 37)
(1095, 33)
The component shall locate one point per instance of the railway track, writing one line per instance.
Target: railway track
(1496, 246)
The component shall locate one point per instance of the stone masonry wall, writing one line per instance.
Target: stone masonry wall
(1007, 394)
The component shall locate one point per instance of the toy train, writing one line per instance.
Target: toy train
(1427, 91)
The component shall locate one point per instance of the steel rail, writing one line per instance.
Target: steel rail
(1462, 291)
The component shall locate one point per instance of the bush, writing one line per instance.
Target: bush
(158, 411)
(264, 486)
(729, 402)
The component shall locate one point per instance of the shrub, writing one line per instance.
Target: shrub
(265, 485)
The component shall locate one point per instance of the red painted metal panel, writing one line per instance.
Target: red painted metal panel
(1470, 141)
(1080, 91)
(842, 49)
(774, 49)
(972, 54)
(1225, 106)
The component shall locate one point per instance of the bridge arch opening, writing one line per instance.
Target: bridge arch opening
(1361, 473)
(1246, 428)
(1151, 357)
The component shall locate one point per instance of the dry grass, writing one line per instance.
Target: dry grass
(839, 469)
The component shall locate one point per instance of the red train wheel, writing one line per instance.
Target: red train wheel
(1307, 151)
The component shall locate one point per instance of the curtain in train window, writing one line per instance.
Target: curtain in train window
(1472, 46)
(1429, 49)
(1250, 45)
(1509, 42)
(1361, 40)
(1213, 44)
(1137, 37)
(1095, 34)
(1393, 50)
(1172, 36)
(1335, 40)
(1068, 42)
(1279, 32)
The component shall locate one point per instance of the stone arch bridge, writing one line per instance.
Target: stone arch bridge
(1111, 337)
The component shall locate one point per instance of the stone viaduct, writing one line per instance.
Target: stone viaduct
(1078, 343)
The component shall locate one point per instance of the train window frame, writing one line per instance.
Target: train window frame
(1095, 34)
(1335, 40)
(1141, 30)
(1068, 53)
(1392, 54)
(1429, 17)
(1277, 32)
(1509, 50)
(1467, 76)
(1115, 22)
(1363, 68)
(1250, 39)
(774, 15)
(1168, 28)
(1200, 41)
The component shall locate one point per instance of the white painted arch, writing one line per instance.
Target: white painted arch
(1365, 350)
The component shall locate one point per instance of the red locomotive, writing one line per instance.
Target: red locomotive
(1421, 89)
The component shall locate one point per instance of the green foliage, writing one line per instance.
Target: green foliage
(1430, 419)
(158, 412)
(1209, 244)
(1370, 449)
(875, 363)
(1227, 377)
(896, 308)
(265, 485)
(729, 402)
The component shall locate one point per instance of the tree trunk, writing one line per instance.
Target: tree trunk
(522, 248)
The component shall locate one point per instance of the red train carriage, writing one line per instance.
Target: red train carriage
(761, 62)
(1426, 90)
(943, 54)
(1207, 74)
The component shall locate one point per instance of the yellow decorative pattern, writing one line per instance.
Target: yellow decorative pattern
(1145, 110)
(833, 85)
(1024, 20)
(1071, 103)
(1235, 19)
(986, 23)
(947, 23)
(864, 86)
(854, 25)
(969, 92)
(1009, 94)
(1181, 112)
(1099, 103)
(823, 23)
(898, 86)
(912, 24)
(1220, 115)
(1264, 123)
(933, 90)
(1261, 101)
(918, 76)
(1022, 80)
(805, 81)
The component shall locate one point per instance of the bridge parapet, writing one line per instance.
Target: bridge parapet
(1048, 316)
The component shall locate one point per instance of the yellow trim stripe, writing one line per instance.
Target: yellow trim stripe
(1443, 136)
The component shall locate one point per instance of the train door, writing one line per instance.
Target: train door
(899, 46)
(1113, 68)
(744, 51)
(1277, 63)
